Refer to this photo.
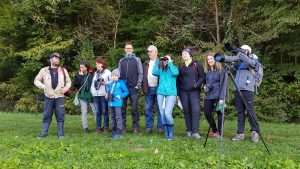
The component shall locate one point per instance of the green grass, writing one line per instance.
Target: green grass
(20, 147)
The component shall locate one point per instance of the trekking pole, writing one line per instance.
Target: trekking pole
(221, 136)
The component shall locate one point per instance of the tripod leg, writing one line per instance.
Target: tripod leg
(250, 115)
(206, 136)
(221, 140)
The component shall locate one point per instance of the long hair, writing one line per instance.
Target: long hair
(87, 65)
(216, 66)
(102, 61)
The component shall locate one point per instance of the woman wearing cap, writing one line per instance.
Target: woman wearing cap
(190, 79)
(166, 92)
(83, 81)
(215, 92)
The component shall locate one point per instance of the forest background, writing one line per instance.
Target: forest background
(30, 30)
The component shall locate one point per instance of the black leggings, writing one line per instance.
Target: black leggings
(209, 107)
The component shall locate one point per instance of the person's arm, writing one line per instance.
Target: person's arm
(125, 90)
(155, 71)
(38, 80)
(246, 59)
(173, 69)
(68, 81)
(201, 76)
(140, 72)
(223, 83)
(78, 80)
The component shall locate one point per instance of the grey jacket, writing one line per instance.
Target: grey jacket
(244, 77)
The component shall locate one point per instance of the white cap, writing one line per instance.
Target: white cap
(246, 47)
(152, 48)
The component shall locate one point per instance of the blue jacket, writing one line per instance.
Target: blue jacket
(119, 89)
(167, 79)
(218, 83)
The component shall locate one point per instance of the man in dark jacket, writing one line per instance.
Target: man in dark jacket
(131, 70)
(150, 84)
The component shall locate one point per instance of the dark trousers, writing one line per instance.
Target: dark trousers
(102, 110)
(241, 109)
(191, 106)
(116, 119)
(150, 101)
(209, 107)
(134, 99)
(57, 104)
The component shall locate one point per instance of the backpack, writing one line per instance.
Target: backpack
(258, 73)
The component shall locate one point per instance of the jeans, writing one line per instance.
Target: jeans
(166, 112)
(116, 119)
(241, 108)
(56, 104)
(101, 106)
(134, 99)
(191, 106)
(150, 100)
(84, 111)
(209, 106)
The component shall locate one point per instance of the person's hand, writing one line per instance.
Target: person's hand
(137, 87)
(80, 72)
(118, 96)
(221, 101)
(178, 98)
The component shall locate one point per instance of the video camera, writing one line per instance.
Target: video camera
(229, 59)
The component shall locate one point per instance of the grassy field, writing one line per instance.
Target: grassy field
(20, 147)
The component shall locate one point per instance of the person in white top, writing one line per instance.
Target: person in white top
(149, 86)
(98, 89)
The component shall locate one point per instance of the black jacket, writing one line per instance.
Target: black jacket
(190, 78)
(78, 80)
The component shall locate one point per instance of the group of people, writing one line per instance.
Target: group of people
(162, 84)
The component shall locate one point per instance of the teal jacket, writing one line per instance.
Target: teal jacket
(167, 79)
(119, 89)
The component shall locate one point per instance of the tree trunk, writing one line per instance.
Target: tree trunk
(217, 23)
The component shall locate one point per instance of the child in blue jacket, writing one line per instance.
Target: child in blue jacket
(117, 91)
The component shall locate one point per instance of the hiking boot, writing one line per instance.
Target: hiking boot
(238, 137)
(86, 130)
(136, 131)
(213, 134)
(189, 134)
(98, 130)
(148, 130)
(254, 136)
(160, 131)
(105, 130)
(196, 135)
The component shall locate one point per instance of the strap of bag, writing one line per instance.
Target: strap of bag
(83, 83)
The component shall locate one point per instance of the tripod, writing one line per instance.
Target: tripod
(228, 72)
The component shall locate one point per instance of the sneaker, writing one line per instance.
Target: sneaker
(213, 134)
(238, 137)
(61, 137)
(148, 130)
(136, 131)
(254, 136)
(196, 135)
(189, 134)
(117, 136)
(85, 130)
(160, 131)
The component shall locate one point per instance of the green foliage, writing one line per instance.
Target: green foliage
(83, 30)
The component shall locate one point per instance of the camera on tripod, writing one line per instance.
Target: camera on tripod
(239, 52)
